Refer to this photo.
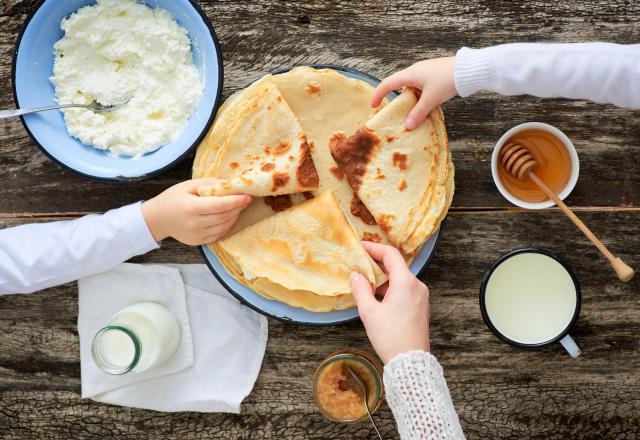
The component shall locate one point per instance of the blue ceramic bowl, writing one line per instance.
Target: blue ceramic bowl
(282, 311)
(33, 65)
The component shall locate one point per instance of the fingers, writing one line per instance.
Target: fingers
(421, 110)
(217, 204)
(389, 84)
(391, 257)
(210, 220)
(216, 232)
(362, 291)
(193, 184)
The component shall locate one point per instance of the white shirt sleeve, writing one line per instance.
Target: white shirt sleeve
(600, 72)
(419, 398)
(37, 256)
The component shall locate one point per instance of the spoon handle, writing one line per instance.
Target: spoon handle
(372, 422)
(14, 113)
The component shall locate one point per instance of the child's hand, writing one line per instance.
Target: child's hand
(180, 213)
(400, 322)
(435, 79)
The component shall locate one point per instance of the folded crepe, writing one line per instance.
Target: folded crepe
(305, 256)
(326, 101)
(264, 152)
(403, 177)
(207, 151)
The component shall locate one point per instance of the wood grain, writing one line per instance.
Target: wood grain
(499, 391)
(262, 36)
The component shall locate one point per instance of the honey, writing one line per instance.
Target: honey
(554, 165)
(338, 395)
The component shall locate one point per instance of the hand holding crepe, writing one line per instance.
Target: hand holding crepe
(306, 256)
(400, 322)
(265, 152)
(180, 213)
(404, 177)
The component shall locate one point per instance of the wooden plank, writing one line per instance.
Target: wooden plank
(262, 36)
(499, 391)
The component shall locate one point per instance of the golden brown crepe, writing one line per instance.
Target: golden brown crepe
(323, 101)
(209, 148)
(326, 102)
(404, 177)
(305, 253)
(265, 152)
(207, 151)
(294, 298)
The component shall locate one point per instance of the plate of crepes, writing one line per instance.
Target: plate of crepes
(326, 171)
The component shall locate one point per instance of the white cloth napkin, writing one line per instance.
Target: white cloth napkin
(216, 365)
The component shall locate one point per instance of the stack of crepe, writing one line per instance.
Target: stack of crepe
(404, 177)
(300, 237)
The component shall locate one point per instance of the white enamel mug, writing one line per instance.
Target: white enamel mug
(530, 298)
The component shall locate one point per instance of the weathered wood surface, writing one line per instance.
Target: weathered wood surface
(379, 38)
(499, 392)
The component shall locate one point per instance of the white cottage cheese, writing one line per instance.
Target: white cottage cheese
(121, 49)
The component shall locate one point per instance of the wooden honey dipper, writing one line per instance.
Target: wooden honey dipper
(520, 163)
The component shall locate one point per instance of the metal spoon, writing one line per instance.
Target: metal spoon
(94, 106)
(363, 386)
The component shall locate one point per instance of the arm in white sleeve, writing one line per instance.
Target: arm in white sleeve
(600, 72)
(419, 398)
(37, 256)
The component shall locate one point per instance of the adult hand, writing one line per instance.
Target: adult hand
(180, 213)
(434, 77)
(400, 321)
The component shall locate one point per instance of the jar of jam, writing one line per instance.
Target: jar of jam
(337, 393)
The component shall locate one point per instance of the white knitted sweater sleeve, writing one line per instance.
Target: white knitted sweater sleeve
(418, 396)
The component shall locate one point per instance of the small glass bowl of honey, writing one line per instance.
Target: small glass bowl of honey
(558, 165)
(338, 395)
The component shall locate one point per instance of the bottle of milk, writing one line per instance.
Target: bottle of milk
(138, 337)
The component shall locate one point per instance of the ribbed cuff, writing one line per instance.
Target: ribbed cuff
(417, 394)
(412, 358)
(471, 71)
(140, 237)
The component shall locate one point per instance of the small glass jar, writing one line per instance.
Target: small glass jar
(338, 395)
(136, 339)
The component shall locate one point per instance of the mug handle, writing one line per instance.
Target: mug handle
(570, 345)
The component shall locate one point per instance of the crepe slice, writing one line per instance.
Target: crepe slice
(401, 176)
(325, 102)
(265, 152)
(307, 250)
(208, 149)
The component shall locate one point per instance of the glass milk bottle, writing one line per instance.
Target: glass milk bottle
(137, 338)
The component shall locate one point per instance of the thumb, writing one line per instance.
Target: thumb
(419, 113)
(362, 290)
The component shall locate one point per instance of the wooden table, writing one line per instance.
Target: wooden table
(499, 391)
